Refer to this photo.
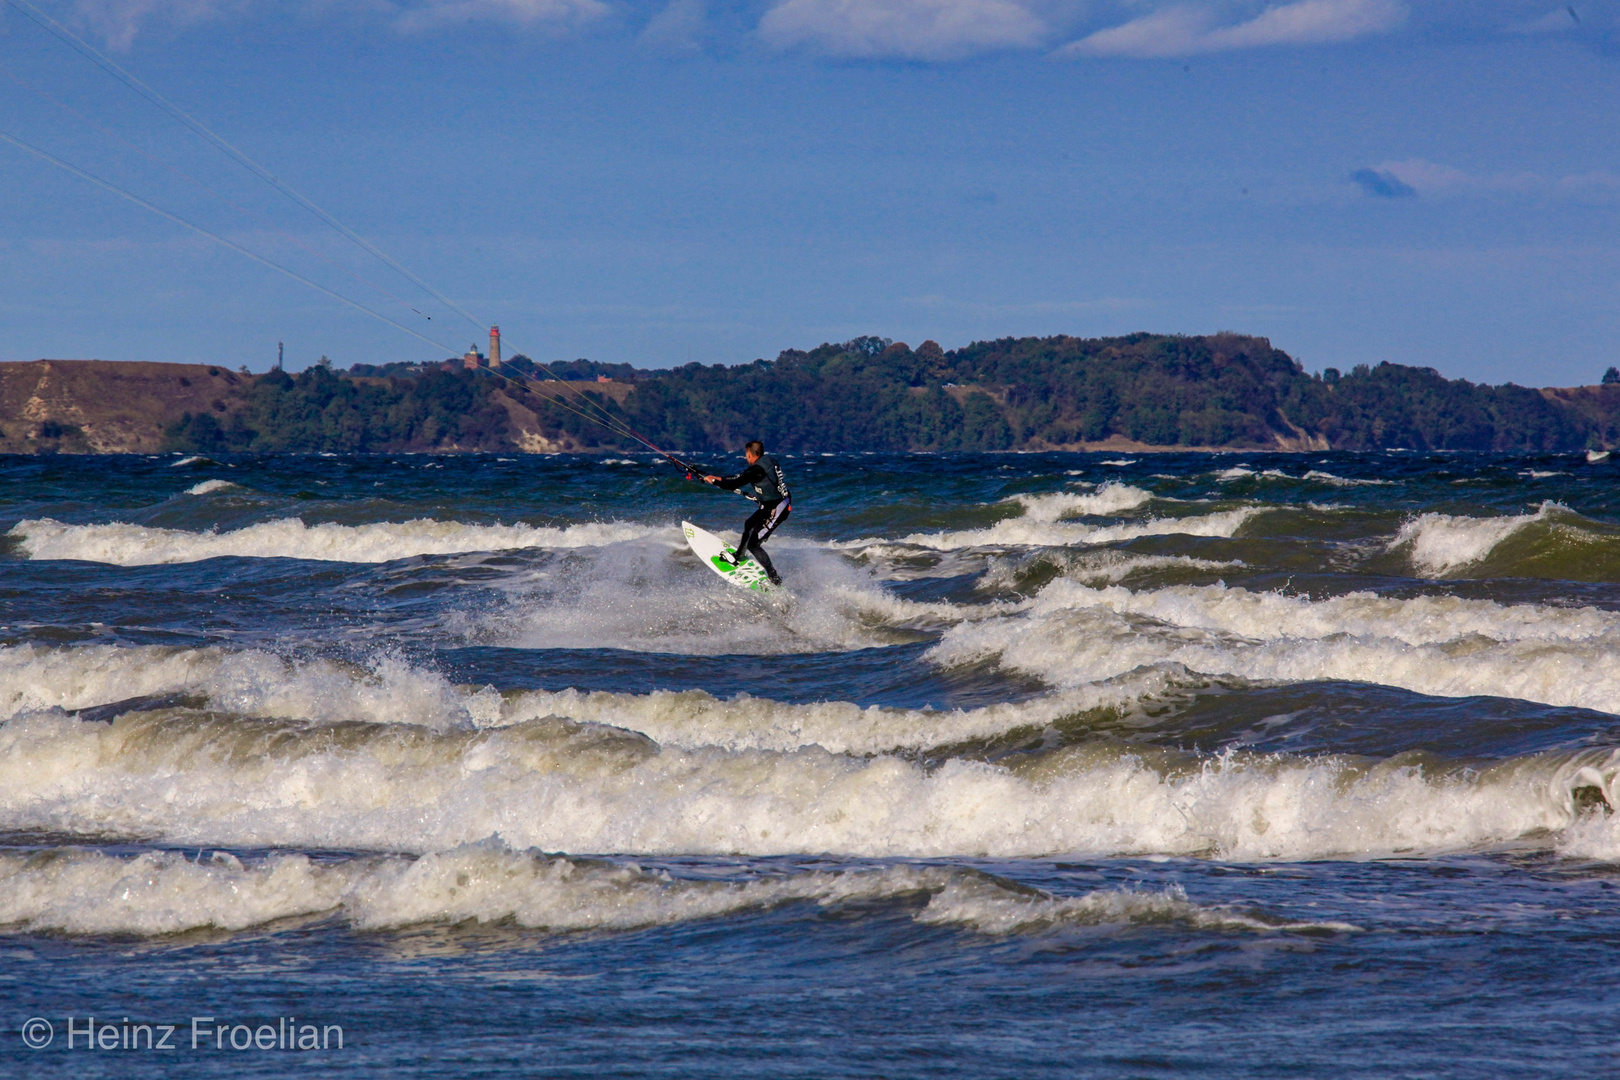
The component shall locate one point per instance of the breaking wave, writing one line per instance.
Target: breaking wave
(1031, 531)
(1074, 634)
(77, 891)
(1344, 481)
(201, 778)
(1554, 542)
(1110, 498)
(1439, 544)
(258, 685)
(290, 538)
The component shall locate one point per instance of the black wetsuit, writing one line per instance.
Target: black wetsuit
(765, 483)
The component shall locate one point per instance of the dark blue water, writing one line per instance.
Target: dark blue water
(1158, 765)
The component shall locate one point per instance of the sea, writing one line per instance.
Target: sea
(1042, 765)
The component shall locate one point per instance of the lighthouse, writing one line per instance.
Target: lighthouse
(494, 346)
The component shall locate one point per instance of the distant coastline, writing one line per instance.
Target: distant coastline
(1141, 393)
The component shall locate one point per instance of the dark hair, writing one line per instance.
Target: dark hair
(754, 446)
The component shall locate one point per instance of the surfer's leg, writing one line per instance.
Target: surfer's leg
(757, 550)
(750, 533)
(761, 525)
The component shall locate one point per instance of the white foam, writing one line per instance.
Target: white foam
(154, 893)
(1074, 634)
(1438, 544)
(208, 486)
(289, 538)
(1344, 481)
(693, 719)
(206, 780)
(1102, 567)
(1109, 499)
(192, 460)
(80, 892)
(1119, 461)
(1031, 532)
(259, 685)
(991, 909)
(249, 683)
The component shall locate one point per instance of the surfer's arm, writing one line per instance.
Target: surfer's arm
(752, 474)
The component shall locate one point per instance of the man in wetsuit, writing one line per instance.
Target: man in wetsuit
(763, 482)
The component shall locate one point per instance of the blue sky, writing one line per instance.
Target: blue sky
(1424, 181)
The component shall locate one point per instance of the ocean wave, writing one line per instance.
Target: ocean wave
(204, 779)
(258, 685)
(208, 487)
(991, 908)
(1104, 567)
(290, 538)
(693, 719)
(1437, 544)
(248, 683)
(1109, 499)
(1031, 532)
(1554, 542)
(84, 892)
(1075, 634)
(1344, 481)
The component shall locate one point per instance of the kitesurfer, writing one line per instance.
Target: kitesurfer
(764, 482)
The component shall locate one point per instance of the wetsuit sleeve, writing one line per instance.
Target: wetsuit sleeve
(751, 475)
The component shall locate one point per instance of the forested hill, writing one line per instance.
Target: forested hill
(1225, 390)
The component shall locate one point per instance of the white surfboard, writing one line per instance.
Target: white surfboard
(717, 555)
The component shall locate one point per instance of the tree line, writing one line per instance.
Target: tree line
(870, 393)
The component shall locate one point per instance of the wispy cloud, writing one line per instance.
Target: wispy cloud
(1189, 29)
(1393, 179)
(545, 14)
(909, 29)
(1382, 184)
(927, 30)
(678, 28)
(118, 22)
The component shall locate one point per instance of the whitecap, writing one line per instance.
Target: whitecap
(1440, 645)
(553, 785)
(1439, 544)
(290, 538)
(82, 892)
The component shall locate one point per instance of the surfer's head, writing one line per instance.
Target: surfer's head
(753, 450)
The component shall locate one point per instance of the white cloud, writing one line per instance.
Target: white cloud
(117, 22)
(680, 27)
(1188, 29)
(560, 14)
(1431, 179)
(911, 29)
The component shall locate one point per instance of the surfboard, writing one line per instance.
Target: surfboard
(714, 552)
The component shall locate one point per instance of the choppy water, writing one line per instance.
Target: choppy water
(1231, 765)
